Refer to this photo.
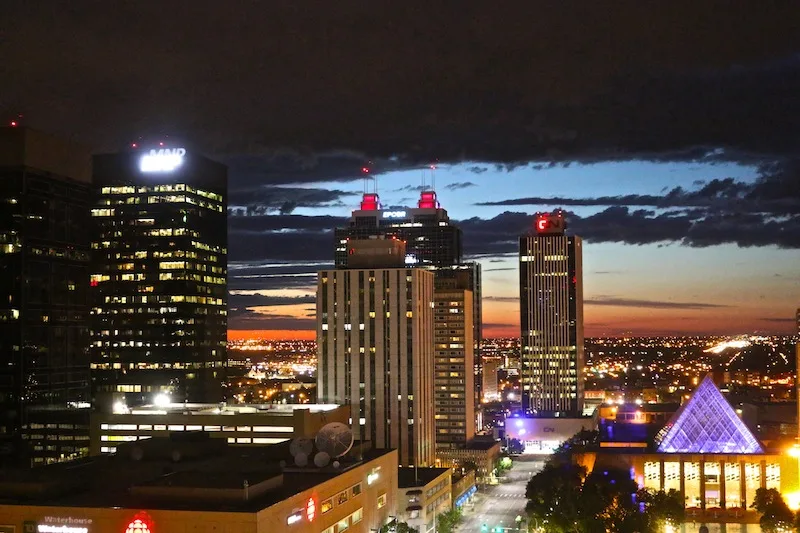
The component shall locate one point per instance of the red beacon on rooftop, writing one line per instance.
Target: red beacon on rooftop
(370, 202)
(427, 200)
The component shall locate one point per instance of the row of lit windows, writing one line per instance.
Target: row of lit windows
(182, 427)
(162, 276)
(160, 298)
(195, 244)
(173, 187)
(157, 310)
(172, 254)
(172, 265)
(156, 366)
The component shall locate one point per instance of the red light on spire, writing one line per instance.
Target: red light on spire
(365, 170)
(161, 144)
(13, 123)
(133, 145)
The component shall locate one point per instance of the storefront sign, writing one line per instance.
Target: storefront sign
(63, 524)
(311, 509)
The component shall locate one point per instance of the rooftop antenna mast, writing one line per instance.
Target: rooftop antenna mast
(365, 173)
(433, 176)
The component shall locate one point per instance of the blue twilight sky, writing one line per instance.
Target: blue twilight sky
(663, 287)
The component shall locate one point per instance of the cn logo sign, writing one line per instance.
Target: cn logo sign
(549, 430)
(162, 160)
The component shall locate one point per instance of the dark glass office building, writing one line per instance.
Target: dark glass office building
(158, 285)
(551, 319)
(45, 191)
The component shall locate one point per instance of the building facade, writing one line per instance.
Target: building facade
(424, 494)
(551, 319)
(490, 390)
(432, 242)
(219, 490)
(45, 194)
(239, 425)
(375, 352)
(710, 457)
(454, 362)
(158, 289)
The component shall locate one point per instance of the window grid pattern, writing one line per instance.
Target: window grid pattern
(707, 423)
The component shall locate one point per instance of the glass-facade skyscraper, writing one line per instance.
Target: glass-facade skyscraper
(551, 319)
(45, 195)
(158, 285)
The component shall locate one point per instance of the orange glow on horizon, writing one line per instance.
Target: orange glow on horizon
(272, 334)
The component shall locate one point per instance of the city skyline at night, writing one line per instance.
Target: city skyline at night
(674, 158)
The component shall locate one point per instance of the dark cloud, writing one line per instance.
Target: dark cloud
(498, 269)
(777, 192)
(647, 304)
(239, 301)
(477, 170)
(344, 82)
(411, 188)
(502, 298)
(499, 235)
(459, 185)
(266, 199)
(781, 320)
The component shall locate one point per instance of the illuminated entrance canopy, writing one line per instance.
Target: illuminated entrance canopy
(707, 423)
(162, 160)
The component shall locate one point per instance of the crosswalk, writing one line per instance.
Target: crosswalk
(504, 495)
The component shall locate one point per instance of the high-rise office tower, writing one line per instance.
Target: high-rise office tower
(551, 319)
(45, 192)
(491, 392)
(454, 363)
(432, 242)
(375, 347)
(158, 288)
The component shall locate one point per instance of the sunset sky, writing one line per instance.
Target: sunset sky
(668, 133)
(668, 286)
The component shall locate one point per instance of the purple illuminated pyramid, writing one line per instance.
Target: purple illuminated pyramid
(707, 423)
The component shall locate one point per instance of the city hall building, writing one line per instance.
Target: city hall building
(709, 455)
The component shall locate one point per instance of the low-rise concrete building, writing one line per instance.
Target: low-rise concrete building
(193, 483)
(245, 425)
(423, 493)
(482, 454)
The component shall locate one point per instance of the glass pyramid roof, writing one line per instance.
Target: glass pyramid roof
(707, 423)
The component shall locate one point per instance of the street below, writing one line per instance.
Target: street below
(498, 506)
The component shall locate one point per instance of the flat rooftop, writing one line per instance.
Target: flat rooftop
(233, 409)
(189, 472)
(408, 477)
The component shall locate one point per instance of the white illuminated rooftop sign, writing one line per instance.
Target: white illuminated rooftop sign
(394, 214)
(162, 160)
